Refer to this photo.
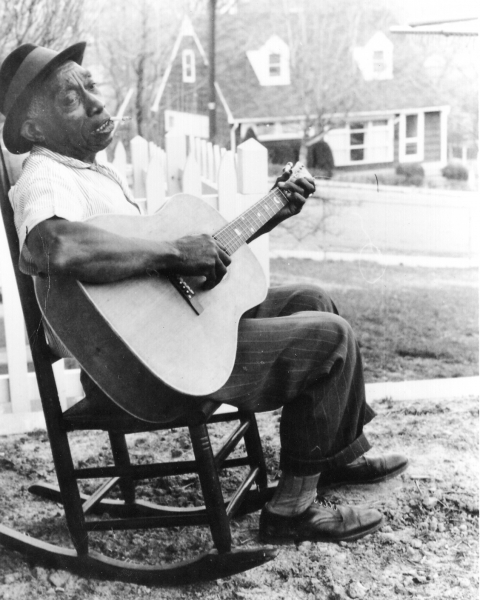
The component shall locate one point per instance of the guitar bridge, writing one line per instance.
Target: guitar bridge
(186, 292)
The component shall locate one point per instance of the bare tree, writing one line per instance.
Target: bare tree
(454, 75)
(51, 23)
(316, 221)
(132, 42)
(320, 37)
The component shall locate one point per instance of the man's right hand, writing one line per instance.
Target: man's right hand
(201, 255)
(91, 254)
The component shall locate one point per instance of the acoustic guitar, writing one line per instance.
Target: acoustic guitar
(149, 340)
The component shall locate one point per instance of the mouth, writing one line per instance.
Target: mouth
(106, 127)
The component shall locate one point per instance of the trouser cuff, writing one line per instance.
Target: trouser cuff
(302, 468)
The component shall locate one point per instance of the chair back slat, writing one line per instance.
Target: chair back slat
(30, 307)
(41, 353)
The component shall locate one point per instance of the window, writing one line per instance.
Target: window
(367, 142)
(357, 141)
(411, 148)
(274, 65)
(271, 62)
(411, 137)
(265, 128)
(379, 61)
(292, 127)
(188, 66)
(375, 59)
(411, 134)
(278, 130)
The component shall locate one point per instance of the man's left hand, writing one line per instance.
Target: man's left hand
(297, 193)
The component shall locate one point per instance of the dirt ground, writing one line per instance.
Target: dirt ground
(427, 547)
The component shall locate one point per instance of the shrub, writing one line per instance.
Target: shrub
(455, 171)
(412, 173)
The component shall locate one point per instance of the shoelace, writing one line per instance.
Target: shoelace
(322, 501)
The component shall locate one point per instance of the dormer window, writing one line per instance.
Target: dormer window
(271, 62)
(375, 59)
(188, 66)
(275, 65)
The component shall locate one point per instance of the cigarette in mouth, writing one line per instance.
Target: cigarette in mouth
(120, 118)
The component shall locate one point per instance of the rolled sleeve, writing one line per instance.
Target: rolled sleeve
(39, 196)
(46, 197)
(53, 185)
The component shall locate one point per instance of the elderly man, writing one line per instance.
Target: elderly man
(294, 351)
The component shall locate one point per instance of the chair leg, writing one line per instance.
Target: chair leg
(121, 458)
(253, 445)
(67, 482)
(212, 491)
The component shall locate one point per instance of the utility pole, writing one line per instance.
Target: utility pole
(211, 75)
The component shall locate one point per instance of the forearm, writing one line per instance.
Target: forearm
(91, 254)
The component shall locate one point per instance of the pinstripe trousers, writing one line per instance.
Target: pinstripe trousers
(296, 352)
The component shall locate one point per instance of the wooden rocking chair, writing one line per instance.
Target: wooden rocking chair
(131, 513)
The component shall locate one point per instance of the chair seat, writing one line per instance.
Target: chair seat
(104, 414)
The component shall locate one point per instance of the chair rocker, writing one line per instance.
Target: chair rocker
(129, 512)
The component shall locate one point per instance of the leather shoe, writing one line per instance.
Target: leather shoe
(319, 524)
(364, 470)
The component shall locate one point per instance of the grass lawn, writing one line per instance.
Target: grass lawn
(412, 323)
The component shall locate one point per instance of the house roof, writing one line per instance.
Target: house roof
(247, 99)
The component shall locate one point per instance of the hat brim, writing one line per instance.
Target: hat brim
(14, 141)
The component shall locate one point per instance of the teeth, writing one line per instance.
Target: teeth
(104, 126)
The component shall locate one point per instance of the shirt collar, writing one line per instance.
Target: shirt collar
(105, 170)
(64, 160)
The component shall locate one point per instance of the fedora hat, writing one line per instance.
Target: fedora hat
(20, 72)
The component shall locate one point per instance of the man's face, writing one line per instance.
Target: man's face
(75, 123)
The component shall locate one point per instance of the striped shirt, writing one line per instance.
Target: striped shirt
(53, 185)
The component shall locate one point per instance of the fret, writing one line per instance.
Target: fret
(234, 234)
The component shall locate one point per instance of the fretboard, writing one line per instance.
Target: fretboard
(237, 232)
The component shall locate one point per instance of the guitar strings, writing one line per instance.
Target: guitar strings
(256, 216)
(237, 232)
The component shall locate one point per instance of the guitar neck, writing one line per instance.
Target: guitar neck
(240, 230)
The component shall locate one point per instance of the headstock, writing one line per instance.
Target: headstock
(296, 171)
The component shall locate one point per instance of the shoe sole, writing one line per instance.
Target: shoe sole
(390, 475)
(267, 539)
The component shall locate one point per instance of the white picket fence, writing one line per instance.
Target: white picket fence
(230, 183)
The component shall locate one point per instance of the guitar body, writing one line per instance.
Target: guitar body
(139, 337)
